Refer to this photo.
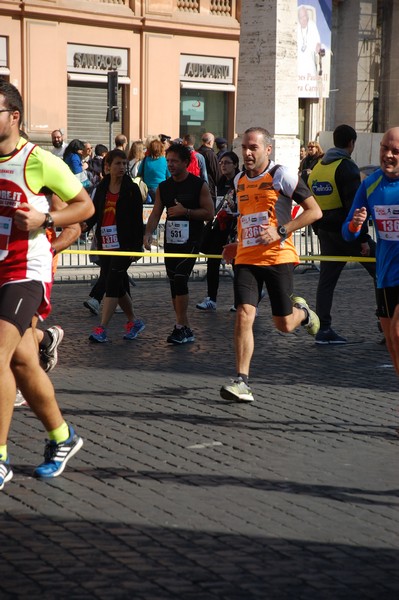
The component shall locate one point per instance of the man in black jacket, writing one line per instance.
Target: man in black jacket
(212, 163)
(334, 182)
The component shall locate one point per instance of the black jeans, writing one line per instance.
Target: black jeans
(333, 244)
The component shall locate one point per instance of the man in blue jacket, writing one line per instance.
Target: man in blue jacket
(378, 197)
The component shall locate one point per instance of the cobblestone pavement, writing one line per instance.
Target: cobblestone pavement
(180, 495)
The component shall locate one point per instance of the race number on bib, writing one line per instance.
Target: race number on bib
(177, 232)
(5, 232)
(251, 227)
(387, 222)
(109, 237)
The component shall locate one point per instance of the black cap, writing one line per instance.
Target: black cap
(163, 137)
(219, 141)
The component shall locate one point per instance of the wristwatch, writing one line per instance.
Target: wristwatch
(48, 221)
(281, 230)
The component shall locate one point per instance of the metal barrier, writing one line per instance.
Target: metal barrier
(305, 240)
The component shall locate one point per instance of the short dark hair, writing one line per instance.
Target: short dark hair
(232, 156)
(267, 138)
(115, 153)
(189, 139)
(100, 149)
(343, 135)
(12, 98)
(183, 152)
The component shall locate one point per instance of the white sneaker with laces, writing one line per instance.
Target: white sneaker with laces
(19, 399)
(237, 390)
(93, 305)
(49, 355)
(206, 304)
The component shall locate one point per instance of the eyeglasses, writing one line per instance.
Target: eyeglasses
(6, 110)
(226, 162)
(310, 147)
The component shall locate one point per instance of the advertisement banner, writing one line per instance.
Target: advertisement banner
(314, 48)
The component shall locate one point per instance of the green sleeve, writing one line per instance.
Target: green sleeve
(43, 169)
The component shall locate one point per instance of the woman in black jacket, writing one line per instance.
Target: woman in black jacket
(119, 227)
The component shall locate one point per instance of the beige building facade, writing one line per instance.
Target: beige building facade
(178, 67)
(176, 61)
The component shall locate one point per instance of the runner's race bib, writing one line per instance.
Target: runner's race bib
(109, 237)
(5, 232)
(177, 232)
(387, 222)
(251, 227)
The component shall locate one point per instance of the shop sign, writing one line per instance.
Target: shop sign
(96, 59)
(206, 69)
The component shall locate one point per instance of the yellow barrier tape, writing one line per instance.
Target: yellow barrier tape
(318, 258)
(165, 254)
(321, 258)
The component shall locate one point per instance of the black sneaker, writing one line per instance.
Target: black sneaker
(329, 336)
(49, 355)
(189, 335)
(180, 336)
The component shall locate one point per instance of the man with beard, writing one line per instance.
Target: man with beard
(57, 139)
(265, 253)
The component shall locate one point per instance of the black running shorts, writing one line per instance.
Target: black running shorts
(387, 300)
(249, 280)
(19, 302)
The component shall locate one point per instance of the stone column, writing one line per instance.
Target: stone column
(267, 75)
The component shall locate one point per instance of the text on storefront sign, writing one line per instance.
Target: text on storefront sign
(207, 71)
(96, 61)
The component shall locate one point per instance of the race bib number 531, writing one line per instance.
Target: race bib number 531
(177, 232)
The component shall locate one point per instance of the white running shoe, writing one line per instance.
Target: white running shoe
(93, 305)
(312, 324)
(237, 390)
(206, 304)
(20, 400)
(49, 355)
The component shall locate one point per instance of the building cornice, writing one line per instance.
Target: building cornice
(115, 16)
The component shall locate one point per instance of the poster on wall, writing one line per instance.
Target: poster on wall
(193, 108)
(314, 48)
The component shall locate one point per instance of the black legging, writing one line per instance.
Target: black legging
(218, 240)
(113, 280)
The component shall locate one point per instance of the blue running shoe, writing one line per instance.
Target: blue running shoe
(6, 473)
(56, 455)
(133, 328)
(99, 335)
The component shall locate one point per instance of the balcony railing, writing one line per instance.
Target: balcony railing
(192, 6)
(221, 8)
(216, 7)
